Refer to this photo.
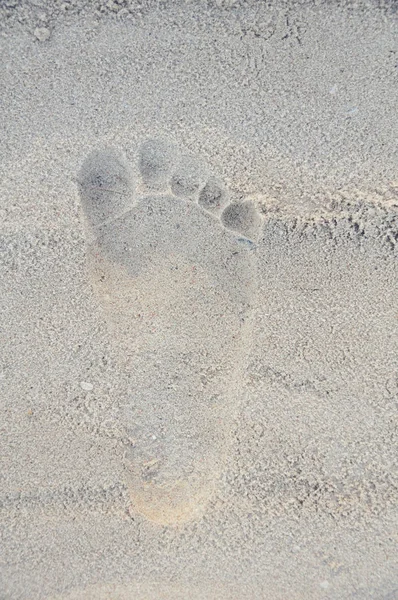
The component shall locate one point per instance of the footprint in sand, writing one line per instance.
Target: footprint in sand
(175, 273)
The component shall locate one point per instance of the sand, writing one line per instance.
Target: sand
(198, 301)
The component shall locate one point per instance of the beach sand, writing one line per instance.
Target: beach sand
(199, 300)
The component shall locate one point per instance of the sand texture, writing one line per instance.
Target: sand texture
(198, 300)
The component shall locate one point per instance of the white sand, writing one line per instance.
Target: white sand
(281, 426)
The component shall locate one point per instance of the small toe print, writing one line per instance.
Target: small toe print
(157, 160)
(188, 179)
(213, 196)
(244, 218)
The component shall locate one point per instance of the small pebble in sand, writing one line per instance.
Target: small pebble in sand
(42, 33)
(87, 387)
(324, 584)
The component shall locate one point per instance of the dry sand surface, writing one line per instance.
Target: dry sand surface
(199, 300)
